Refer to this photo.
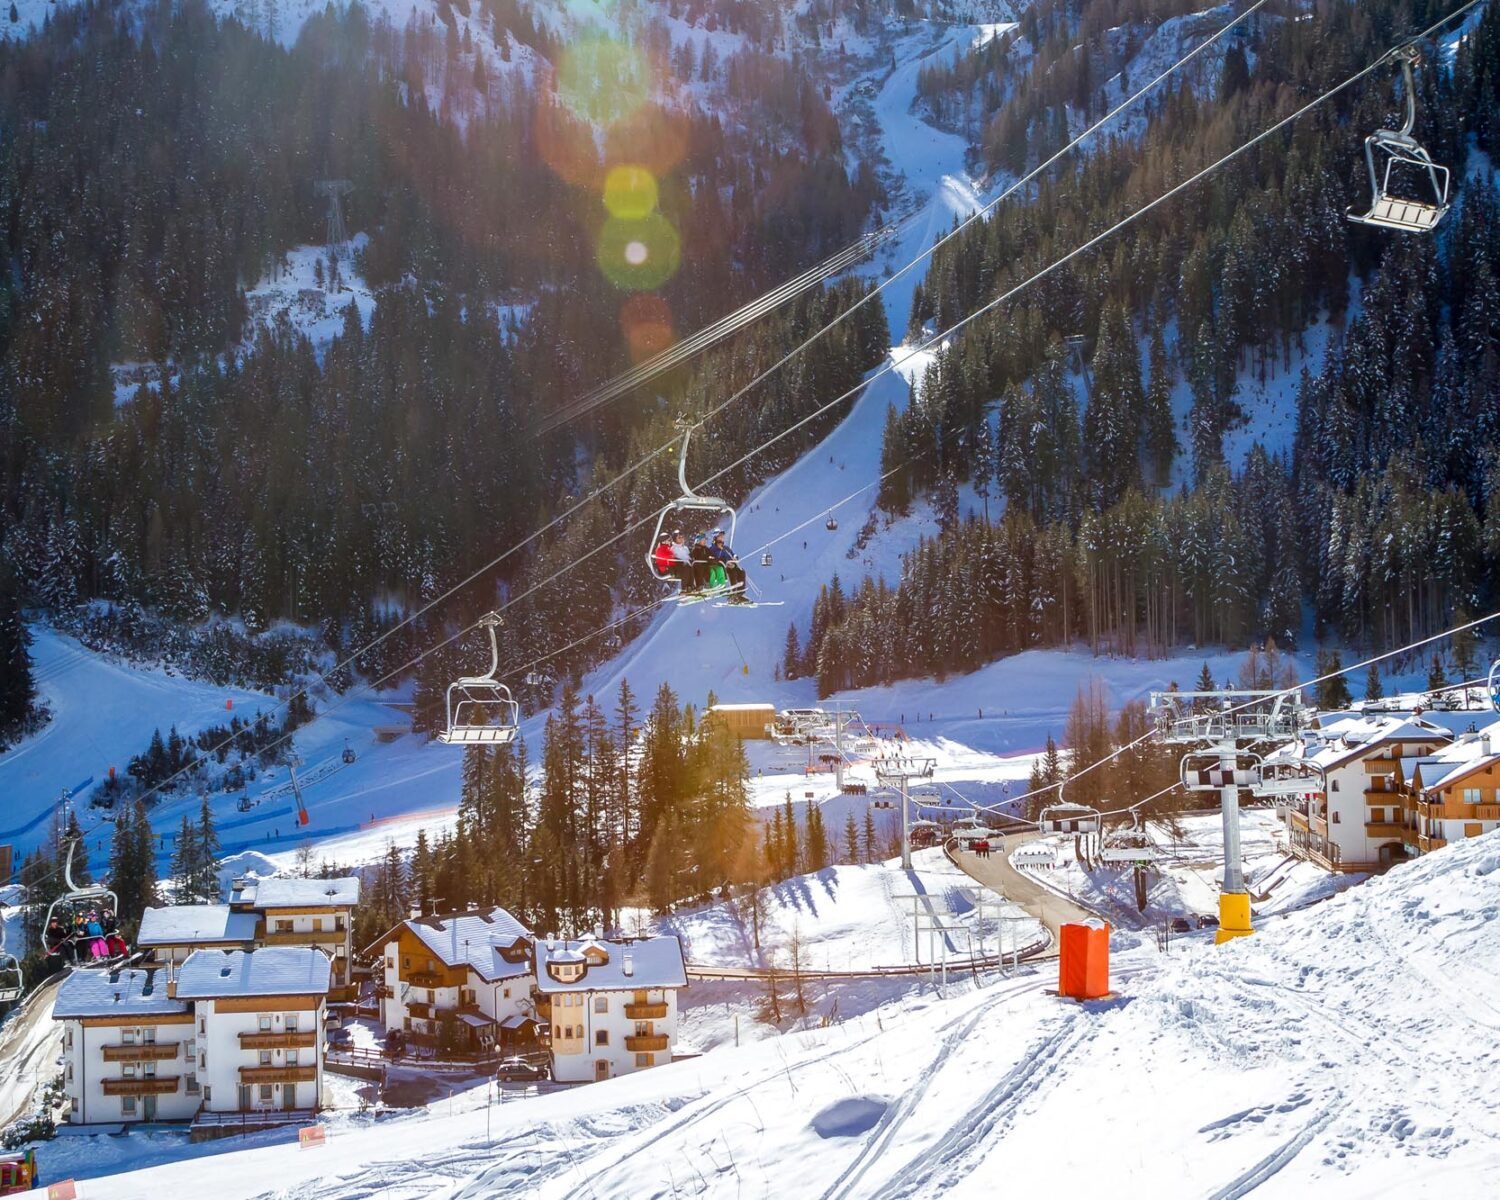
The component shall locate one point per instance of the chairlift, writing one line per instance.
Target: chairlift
(481, 710)
(1397, 148)
(244, 804)
(1204, 771)
(692, 510)
(348, 755)
(1067, 817)
(832, 523)
(77, 900)
(765, 559)
(1494, 685)
(536, 679)
(12, 984)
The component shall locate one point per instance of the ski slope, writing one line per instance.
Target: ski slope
(1344, 1050)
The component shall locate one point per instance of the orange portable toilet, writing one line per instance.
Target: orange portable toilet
(1083, 963)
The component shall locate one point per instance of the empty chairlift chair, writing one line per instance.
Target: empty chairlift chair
(1408, 191)
(11, 982)
(481, 710)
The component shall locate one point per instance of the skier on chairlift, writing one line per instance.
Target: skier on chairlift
(703, 563)
(681, 567)
(721, 552)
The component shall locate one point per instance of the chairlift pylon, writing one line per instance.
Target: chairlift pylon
(77, 900)
(303, 816)
(1398, 148)
(480, 709)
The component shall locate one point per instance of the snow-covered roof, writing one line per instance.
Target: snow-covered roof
(270, 971)
(475, 939)
(281, 891)
(186, 924)
(476, 1020)
(742, 707)
(654, 963)
(1344, 737)
(112, 993)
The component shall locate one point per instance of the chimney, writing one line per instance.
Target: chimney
(598, 931)
(1484, 744)
(627, 964)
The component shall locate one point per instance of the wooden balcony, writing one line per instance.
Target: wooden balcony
(1426, 844)
(306, 937)
(300, 1040)
(645, 1012)
(144, 1085)
(429, 979)
(422, 1012)
(298, 1074)
(1384, 829)
(142, 1052)
(646, 1041)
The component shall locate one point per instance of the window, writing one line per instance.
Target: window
(265, 1022)
(406, 960)
(208, 1092)
(265, 1058)
(644, 1060)
(601, 1037)
(1377, 815)
(291, 1058)
(643, 1029)
(127, 1037)
(390, 964)
(192, 1085)
(127, 1105)
(128, 1070)
(265, 1091)
(291, 1022)
(1333, 785)
(507, 993)
(1335, 816)
(202, 1024)
(69, 1075)
(148, 1070)
(203, 1060)
(601, 1004)
(148, 1037)
(1471, 796)
(283, 926)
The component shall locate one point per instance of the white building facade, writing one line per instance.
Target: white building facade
(225, 1032)
(611, 1006)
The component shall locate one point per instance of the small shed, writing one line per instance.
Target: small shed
(745, 721)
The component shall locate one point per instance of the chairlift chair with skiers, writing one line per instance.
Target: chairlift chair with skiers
(348, 755)
(480, 709)
(832, 523)
(1394, 157)
(79, 900)
(694, 512)
(1494, 685)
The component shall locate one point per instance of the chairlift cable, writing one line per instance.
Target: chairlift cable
(979, 213)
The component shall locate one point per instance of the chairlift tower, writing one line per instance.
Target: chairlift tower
(898, 773)
(338, 234)
(1224, 724)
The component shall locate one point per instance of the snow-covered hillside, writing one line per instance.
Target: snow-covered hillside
(1343, 1050)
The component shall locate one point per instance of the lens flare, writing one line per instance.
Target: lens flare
(603, 81)
(630, 192)
(639, 255)
(646, 322)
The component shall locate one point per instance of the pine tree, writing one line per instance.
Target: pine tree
(1436, 678)
(185, 863)
(17, 685)
(1332, 693)
(791, 850)
(206, 851)
(851, 837)
(791, 658)
(817, 840)
(1374, 690)
(870, 845)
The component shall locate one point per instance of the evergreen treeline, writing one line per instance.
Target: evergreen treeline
(1386, 517)
(155, 166)
(631, 807)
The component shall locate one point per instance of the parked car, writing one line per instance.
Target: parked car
(1181, 925)
(1207, 921)
(519, 1070)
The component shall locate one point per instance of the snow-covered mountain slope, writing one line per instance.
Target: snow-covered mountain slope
(1344, 1050)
